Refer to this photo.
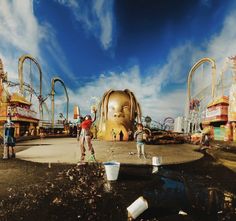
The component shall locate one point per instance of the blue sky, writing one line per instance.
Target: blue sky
(148, 46)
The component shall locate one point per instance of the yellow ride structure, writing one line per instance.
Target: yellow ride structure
(193, 116)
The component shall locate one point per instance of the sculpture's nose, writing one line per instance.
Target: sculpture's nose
(118, 114)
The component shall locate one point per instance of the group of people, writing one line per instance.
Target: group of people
(121, 135)
(85, 137)
(113, 135)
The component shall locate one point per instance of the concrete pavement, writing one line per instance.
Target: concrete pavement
(66, 150)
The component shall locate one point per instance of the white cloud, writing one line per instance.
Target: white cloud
(147, 91)
(19, 33)
(223, 45)
(96, 17)
(104, 14)
(219, 47)
(19, 27)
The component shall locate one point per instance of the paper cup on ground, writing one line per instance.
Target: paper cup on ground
(112, 170)
(156, 161)
(137, 207)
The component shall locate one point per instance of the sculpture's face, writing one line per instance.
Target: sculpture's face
(119, 108)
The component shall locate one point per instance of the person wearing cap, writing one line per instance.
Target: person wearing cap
(86, 136)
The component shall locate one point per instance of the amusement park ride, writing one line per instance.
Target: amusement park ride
(18, 105)
(217, 113)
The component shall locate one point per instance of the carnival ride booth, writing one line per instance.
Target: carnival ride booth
(24, 118)
(216, 118)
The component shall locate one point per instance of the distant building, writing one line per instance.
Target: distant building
(18, 108)
(179, 125)
(24, 118)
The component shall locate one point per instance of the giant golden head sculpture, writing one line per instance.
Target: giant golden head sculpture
(118, 112)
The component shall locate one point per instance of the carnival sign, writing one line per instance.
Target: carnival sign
(23, 112)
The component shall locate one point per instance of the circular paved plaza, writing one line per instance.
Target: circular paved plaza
(66, 150)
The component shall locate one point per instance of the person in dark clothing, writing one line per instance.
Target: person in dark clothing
(121, 135)
(130, 135)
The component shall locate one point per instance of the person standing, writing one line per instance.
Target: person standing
(78, 123)
(86, 136)
(113, 134)
(140, 137)
(9, 140)
(130, 135)
(95, 132)
(121, 135)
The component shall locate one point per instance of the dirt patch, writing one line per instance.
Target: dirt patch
(34, 191)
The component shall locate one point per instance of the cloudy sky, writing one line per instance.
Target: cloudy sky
(147, 46)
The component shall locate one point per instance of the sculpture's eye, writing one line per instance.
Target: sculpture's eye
(126, 108)
(111, 108)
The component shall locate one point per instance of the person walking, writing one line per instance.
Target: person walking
(140, 137)
(86, 137)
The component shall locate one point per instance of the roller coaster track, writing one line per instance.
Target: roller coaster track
(192, 71)
(54, 80)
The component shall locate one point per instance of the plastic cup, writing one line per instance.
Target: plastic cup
(112, 170)
(137, 207)
(156, 161)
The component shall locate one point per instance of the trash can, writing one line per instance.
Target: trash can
(112, 170)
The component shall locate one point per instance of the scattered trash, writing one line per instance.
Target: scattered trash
(155, 169)
(107, 187)
(131, 153)
(156, 161)
(112, 170)
(219, 212)
(181, 212)
(137, 207)
(57, 201)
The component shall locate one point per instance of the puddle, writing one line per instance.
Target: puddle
(172, 195)
(197, 191)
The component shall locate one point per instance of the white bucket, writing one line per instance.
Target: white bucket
(112, 170)
(137, 207)
(156, 161)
